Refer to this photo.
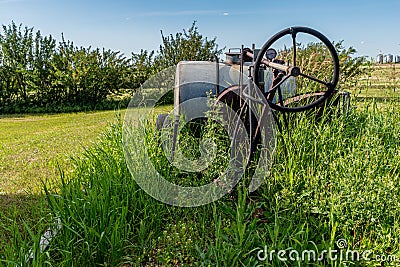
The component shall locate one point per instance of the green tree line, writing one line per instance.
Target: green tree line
(37, 73)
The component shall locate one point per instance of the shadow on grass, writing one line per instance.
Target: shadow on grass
(17, 211)
(24, 201)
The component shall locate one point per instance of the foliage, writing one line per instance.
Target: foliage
(89, 76)
(186, 45)
(24, 64)
(143, 67)
(351, 68)
(37, 74)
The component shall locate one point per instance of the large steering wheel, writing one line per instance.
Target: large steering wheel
(315, 81)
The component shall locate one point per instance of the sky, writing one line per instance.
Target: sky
(371, 27)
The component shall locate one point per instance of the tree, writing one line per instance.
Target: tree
(84, 76)
(351, 68)
(186, 45)
(143, 66)
(16, 46)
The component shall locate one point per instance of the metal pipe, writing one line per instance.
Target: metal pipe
(241, 77)
(292, 70)
(216, 59)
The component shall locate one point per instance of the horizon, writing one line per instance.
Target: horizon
(129, 26)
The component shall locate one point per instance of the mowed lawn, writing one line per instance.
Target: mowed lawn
(33, 148)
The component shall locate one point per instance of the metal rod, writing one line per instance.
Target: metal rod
(241, 78)
(216, 59)
(294, 46)
(277, 66)
(315, 79)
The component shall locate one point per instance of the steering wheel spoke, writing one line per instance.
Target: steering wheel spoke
(312, 70)
(315, 79)
(293, 32)
(281, 82)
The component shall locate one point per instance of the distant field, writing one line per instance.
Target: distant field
(380, 86)
(382, 76)
(32, 146)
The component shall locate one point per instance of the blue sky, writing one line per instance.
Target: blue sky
(128, 26)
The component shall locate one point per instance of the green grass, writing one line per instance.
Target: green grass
(385, 76)
(337, 180)
(31, 147)
(381, 85)
(333, 179)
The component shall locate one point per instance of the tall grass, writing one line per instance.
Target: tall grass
(332, 179)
